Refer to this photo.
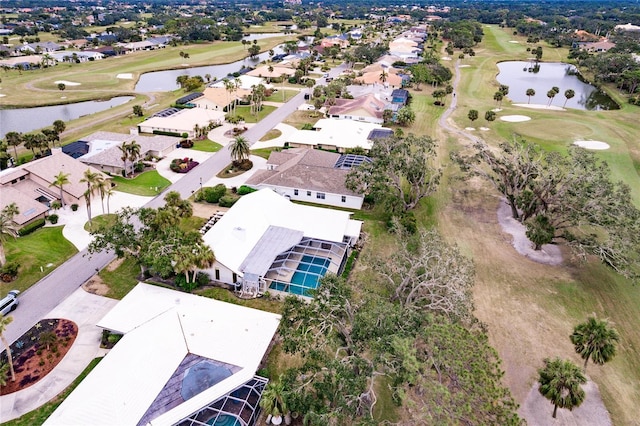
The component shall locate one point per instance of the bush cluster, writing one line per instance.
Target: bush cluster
(228, 200)
(9, 271)
(213, 195)
(186, 143)
(182, 165)
(244, 190)
(53, 218)
(31, 227)
(163, 133)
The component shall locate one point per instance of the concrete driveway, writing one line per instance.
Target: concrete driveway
(85, 310)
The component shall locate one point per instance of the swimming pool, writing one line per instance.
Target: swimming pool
(309, 271)
(224, 420)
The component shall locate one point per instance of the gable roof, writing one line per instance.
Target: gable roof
(221, 97)
(161, 327)
(104, 146)
(339, 133)
(28, 207)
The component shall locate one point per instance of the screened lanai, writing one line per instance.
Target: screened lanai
(238, 408)
(299, 269)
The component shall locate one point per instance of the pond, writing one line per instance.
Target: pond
(29, 119)
(519, 78)
(165, 81)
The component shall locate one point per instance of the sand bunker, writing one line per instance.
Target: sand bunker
(470, 128)
(2, 96)
(484, 129)
(496, 109)
(596, 145)
(514, 41)
(446, 58)
(540, 106)
(125, 76)
(464, 66)
(515, 118)
(67, 83)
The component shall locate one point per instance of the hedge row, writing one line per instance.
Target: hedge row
(31, 227)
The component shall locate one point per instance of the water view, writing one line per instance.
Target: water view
(517, 76)
(29, 119)
(165, 81)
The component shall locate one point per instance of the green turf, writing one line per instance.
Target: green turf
(143, 184)
(39, 415)
(245, 111)
(262, 152)
(122, 279)
(38, 254)
(206, 145)
(277, 96)
(100, 222)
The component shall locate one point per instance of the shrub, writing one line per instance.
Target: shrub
(228, 200)
(202, 278)
(56, 205)
(10, 268)
(244, 190)
(139, 167)
(307, 126)
(74, 207)
(176, 134)
(213, 195)
(182, 165)
(53, 218)
(243, 165)
(31, 227)
(186, 143)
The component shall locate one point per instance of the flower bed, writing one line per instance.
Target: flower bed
(33, 359)
(182, 165)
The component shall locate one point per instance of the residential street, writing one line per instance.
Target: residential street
(50, 291)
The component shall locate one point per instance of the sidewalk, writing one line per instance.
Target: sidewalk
(85, 310)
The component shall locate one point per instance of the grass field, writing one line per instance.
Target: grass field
(277, 96)
(100, 222)
(530, 309)
(206, 145)
(148, 184)
(122, 279)
(245, 111)
(37, 254)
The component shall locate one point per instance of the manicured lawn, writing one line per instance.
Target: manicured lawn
(262, 152)
(122, 279)
(263, 303)
(299, 118)
(100, 222)
(206, 145)
(245, 111)
(45, 248)
(39, 415)
(271, 134)
(277, 96)
(148, 183)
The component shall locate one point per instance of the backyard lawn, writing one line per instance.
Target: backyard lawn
(245, 111)
(148, 184)
(38, 254)
(277, 96)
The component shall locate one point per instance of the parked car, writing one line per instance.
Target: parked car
(10, 302)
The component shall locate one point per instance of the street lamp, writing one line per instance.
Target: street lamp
(200, 186)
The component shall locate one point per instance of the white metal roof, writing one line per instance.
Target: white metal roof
(162, 326)
(339, 133)
(233, 237)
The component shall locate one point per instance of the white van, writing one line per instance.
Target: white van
(10, 302)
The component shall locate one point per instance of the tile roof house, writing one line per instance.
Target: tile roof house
(34, 181)
(183, 121)
(303, 174)
(183, 359)
(218, 98)
(375, 77)
(365, 108)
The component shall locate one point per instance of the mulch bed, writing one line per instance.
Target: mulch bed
(32, 361)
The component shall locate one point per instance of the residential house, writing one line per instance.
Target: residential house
(278, 71)
(101, 149)
(596, 47)
(183, 360)
(265, 242)
(219, 98)
(367, 108)
(387, 79)
(627, 27)
(78, 55)
(39, 47)
(341, 41)
(182, 121)
(245, 81)
(400, 97)
(34, 180)
(311, 175)
(335, 135)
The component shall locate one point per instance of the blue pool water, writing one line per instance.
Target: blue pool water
(309, 271)
(224, 420)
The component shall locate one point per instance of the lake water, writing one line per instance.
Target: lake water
(165, 81)
(29, 119)
(515, 74)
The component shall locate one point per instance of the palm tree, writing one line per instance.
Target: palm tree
(550, 94)
(14, 139)
(108, 192)
(498, 96)
(60, 180)
(47, 59)
(595, 339)
(383, 76)
(93, 181)
(4, 322)
(8, 228)
(124, 155)
(240, 149)
(273, 400)
(59, 126)
(530, 93)
(568, 94)
(103, 187)
(4, 369)
(48, 338)
(229, 87)
(134, 152)
(560, 382)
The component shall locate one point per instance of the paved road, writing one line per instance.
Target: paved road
(46, 294)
